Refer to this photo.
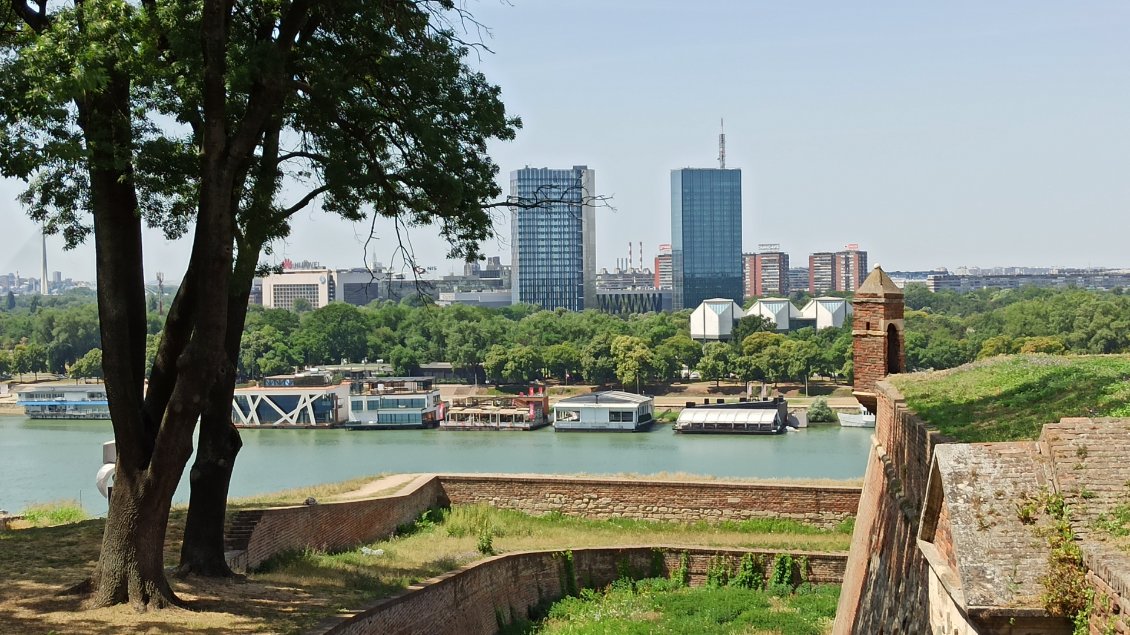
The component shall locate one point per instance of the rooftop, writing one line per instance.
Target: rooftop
(607, 397)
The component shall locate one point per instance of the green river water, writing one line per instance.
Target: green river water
(44, 461)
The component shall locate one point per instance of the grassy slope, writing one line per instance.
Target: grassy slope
(1010, 398)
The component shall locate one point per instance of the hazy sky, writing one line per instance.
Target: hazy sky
(956, 133)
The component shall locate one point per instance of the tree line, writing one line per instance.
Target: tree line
(522, 343)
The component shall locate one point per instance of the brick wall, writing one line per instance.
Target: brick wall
(1110, 614)
(260, 534)
(886, 583)
(654, 500)
(477, 598)
(256, 535)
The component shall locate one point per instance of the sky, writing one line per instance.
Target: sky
(931, 134)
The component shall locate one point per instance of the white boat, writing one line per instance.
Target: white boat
(863, 419)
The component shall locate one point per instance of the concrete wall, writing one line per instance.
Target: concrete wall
(478, 598)
(256, 535)
(824, 506)
(886, 584)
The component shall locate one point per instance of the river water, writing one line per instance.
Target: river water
(44, 461)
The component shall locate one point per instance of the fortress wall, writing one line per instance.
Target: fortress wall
(824, 506)
(479, 598)
(886, 583)
(256, 535)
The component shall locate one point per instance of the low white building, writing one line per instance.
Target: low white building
(778, 310)
(825, 312)
(714, 319)
(394, 403)
(607, 411)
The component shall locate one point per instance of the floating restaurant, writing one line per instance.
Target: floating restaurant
(308, 399)
(607, 411)
(769, 416)
(524, 412)
(64, 401)
(394, 403)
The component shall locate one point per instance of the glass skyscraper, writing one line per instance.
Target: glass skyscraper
(706, 235)
(553, 244)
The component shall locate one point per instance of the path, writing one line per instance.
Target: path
(385, 485)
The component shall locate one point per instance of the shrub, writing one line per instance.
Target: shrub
(819, 412)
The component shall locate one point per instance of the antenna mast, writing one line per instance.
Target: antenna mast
(160, 293)
(722, 145)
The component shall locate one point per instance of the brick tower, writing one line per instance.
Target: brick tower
(878, 346)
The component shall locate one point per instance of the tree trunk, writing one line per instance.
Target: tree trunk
(131, 564)
(202, 551)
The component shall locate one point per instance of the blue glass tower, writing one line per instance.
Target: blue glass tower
(553, 244)
(706, 235)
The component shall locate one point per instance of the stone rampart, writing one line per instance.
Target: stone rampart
(478, 598)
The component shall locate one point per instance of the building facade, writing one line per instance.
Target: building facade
(850, 269)
(314, 285)
(769, 273)
(706, 235)
(663, 278)
(821, 272)
(553, 243)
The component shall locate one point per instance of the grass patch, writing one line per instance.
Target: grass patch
(54, 513)
(660, 606)
(1011, 398)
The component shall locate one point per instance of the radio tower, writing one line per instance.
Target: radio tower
(722, 145)
(43, 269)
(160, 293)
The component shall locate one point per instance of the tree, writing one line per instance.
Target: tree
(5, 362)
(596, 360)
(819, 412)
(749, 325)
(563, 361)
(682, 350)
(402, 127)
(89, 365)
(301, 305)
(715, 362)
(757, 342)
(332, 333)
(633, 359)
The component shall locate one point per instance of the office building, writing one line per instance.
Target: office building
(554, 239)
(706, 235)
(821, 272)
(850, 268)
(308, 282)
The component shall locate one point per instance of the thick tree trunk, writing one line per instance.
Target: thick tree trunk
(131, 564)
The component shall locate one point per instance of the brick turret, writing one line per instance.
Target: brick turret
(878, 347)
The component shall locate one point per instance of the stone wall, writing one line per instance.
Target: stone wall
(824, 506)
(256, 535)
(479, 598)
(886, 583)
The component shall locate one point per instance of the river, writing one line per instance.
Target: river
(44, 461)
